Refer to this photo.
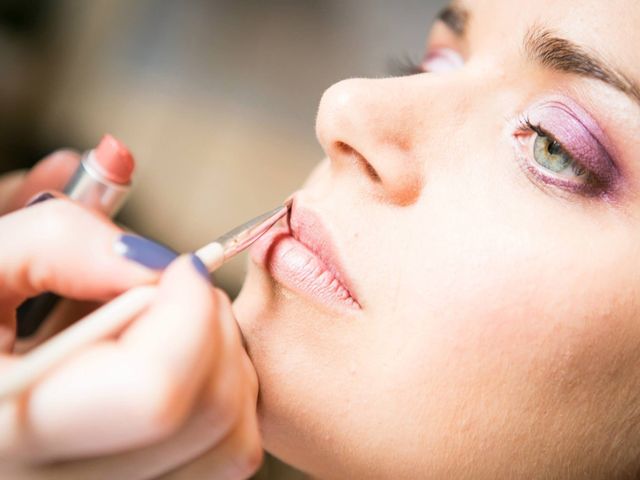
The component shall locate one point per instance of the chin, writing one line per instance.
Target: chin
(276, 325)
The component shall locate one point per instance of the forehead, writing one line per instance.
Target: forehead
(595, 12)
(608, 27)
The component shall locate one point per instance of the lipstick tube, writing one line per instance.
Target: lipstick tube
(101, 182)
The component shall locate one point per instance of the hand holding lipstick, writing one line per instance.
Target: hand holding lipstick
(174, 388)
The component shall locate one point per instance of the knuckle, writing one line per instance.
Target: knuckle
(226, 408)
(222, 412)
(222, 299)
(59, 218)
(59, 221)
(62, 220)
(62, 214)
(250, 457)
(222, 305)
(252, 376)
(161, 412)
(56, 225)
(246, 442)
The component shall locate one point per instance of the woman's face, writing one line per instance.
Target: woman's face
(471, 308)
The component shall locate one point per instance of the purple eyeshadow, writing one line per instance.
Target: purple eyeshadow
(578, 134)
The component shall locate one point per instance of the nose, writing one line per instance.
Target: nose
(374, 124)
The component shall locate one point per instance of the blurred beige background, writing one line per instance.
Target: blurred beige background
(217, 99)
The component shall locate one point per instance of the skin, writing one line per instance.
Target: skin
(498, 335)
(173, 391)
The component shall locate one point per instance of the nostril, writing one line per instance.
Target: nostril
(348, 151)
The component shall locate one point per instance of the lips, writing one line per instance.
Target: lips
(301, 256)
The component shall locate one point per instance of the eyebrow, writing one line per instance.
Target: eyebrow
(563, 55)
(456, 17)
(552, 52)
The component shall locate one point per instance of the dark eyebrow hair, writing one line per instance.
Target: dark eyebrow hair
(456, 17)
(563, 55)
(551, 51)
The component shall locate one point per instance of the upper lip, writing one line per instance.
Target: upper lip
(307, 227)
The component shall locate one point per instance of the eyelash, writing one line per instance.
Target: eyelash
(592, 186)
(405, 66)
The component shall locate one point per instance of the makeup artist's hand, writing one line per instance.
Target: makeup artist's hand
(51, 173)
(175, 389)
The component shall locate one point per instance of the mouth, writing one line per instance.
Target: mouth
(299, 254)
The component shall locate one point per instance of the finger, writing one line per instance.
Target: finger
(191, 442)
(230, 380)
(231, 394)
(231, 332)
(241, 445)
(134, 391)
(229, 411)
(238, 456)
(60, 247)
(51, 173)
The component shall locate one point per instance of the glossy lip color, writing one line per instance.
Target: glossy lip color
(301, 256)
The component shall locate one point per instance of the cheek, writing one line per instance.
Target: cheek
(492, 315)
(523, 320)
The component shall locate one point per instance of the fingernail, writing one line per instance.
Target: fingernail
(200, 267)
(144, 251)
(41, 197)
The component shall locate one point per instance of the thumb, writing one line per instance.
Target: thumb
(60, 247)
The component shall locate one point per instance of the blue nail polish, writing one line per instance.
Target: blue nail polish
(40, 198)
(144, 251)
(200, 267)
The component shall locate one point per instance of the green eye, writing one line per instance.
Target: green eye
(549, 154)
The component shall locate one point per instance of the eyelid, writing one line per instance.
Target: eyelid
(443, 59)
(575, 132)
(539, 175)
(568, 127)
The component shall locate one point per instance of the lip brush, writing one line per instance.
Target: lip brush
(116, 314)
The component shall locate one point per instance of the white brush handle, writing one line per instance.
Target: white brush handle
(102, 323)
(212, 255)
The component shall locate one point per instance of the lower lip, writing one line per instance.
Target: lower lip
(293, 265)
